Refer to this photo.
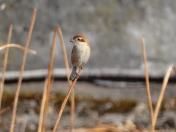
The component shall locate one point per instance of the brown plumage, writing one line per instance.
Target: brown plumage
(80, 54)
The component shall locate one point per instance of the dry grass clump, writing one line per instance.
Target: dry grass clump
(154, 112)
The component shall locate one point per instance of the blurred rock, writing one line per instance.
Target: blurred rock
(167, 120)
(140, 116)
(115, 118)
(84, 112)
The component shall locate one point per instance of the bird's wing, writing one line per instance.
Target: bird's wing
(74, 56)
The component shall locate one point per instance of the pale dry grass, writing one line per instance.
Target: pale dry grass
(66, 63)
(27, 43)
(18, 46)
(161, 96)
(48, 85)
(5, 63)
(71, 87)
(146, 73)
(154, 112)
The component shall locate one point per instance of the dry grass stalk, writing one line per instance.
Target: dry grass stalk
(42, 108)
(9, 45)
(65, 58)
(64, 52)
(72, 113)
(148, 91)
(161, 96)
(27, 43)
(47, 87)
(5, 62)
(71, 87)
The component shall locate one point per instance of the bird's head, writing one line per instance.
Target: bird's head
(79, 39)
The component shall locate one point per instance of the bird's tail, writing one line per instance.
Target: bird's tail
(73, 74)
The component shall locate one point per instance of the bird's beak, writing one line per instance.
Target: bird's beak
(71, 40)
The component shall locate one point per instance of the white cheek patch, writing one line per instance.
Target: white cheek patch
(82, 43)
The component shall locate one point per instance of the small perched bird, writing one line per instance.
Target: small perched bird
(80, 54)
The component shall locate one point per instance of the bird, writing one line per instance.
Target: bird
(80, 54)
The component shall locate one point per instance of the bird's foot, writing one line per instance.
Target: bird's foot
(73, 76)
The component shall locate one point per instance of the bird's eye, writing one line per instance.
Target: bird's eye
(81, 39)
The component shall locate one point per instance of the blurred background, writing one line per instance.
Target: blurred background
(114, 29)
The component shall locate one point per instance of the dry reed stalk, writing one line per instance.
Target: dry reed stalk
(71, 87)
(27, 43)
(64, 52)
(65, 58)
(18, 47)
(42, 108)
(5, 62)
(161, 96)
(148, 91)
(72, 113)
(47, 87)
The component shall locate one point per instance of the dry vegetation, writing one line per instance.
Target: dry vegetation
(48, 87)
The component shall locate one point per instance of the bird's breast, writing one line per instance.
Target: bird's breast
(80, 54)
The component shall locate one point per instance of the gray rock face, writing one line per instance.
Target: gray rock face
(114, 28)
